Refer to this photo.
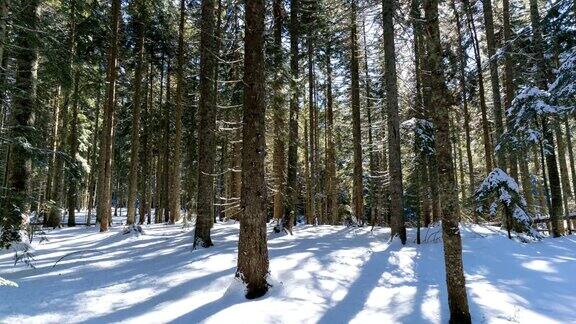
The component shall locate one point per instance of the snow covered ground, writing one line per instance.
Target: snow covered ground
(321, 274)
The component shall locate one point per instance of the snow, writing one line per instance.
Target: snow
(324, 274)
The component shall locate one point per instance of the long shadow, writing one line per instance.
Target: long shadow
(174, 293)
(359, 291)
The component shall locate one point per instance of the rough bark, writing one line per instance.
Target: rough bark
(176, 161)
(103, 210)
(279, 155)
(457, 298)
(394, 159)
(292, 174)
(136, 107)
(501, 161)
(358, 183)
(331, 181)
(252, 248)
(481, 93)
(206, 126)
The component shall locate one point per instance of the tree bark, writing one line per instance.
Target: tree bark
(135, 127)
(279, 158)
(331, 181)
(252, 249)
(358, 183)
(394, 158)
(175, 174)
(292, 174)
(457, 298)
(494, 80)
(206, 126)
(106, 142)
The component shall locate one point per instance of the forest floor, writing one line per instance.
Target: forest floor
(323, 274)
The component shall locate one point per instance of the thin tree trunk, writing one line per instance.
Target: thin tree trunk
(331, 182)
(292, 174)
(279, 158)
(358, 183)
(481, 94)
(176, 161)
(135, 127)
(494, 79)
(106, 142)
(74, 177)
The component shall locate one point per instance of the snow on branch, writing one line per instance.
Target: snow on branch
(498, 188)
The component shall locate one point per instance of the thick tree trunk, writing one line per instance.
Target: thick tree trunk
(106, 142)
(206, 126)
(394, 158)
(252, 249)
(457, 299)
(16, 203)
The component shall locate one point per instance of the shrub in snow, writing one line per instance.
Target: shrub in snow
(499, 189)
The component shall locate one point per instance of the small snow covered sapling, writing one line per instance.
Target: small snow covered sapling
(500, 189)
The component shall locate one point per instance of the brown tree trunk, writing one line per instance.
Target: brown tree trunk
(292, 174)
(543, 76)
(394, 159)
(252, 249)
(457, 299)
(73, 178)
(494, 80)
(279, 158)
(105, 162)
(331, 181)
(358, 183)
(135, 127)
(481, 92)
(176, 161)
(206, 126)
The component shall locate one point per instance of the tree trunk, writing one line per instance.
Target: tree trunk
(94, 164)
(176, 161)
(494, 79)
(481, 95)
(457, 299)
(206, 126)
(74, 177)
(135, 127)
(252, 249)
(394, 159)
(543, 76)
(292, 174)
(105, 162)
(358, 184)
(331, 181)
(16, 203)
(279, 158)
